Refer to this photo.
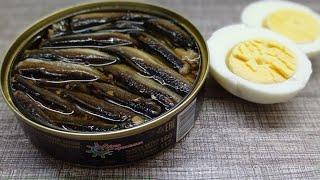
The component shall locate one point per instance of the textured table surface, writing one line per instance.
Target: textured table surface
(232, 138)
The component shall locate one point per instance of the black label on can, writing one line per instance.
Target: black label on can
(129, 149)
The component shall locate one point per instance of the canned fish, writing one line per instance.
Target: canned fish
(107, 83)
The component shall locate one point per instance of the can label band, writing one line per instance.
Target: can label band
(185, 120)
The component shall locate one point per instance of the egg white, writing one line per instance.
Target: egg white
(255, 13)
(223, 40)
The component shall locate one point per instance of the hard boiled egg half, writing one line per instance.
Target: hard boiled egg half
(257, 65)
(294, 21)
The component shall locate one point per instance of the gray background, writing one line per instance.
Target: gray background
(231, 139)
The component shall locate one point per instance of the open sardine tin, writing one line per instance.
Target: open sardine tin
(120, 146)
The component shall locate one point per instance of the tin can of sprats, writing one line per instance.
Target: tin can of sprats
(119, 147)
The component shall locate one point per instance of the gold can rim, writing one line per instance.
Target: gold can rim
(25, 37)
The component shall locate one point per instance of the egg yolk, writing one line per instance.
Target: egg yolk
(298, 26)
(262, 61)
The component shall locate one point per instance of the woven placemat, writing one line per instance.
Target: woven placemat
(232, 138)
